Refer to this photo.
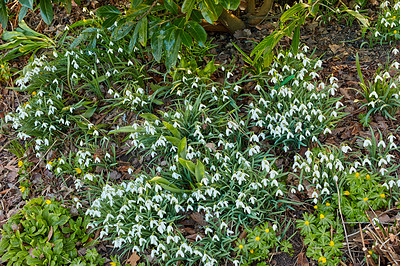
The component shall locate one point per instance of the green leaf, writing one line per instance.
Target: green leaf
(164, 183)
(198, 33)
(189, 165)
(296, 40)
(157, 46)
(60, 221)
(107, 11)
(149, 116)
(186, 38)
(290, 13)
(173, 43)
(173, 140)
(182, 148)
(187, 8)
(363, 20)
(33, 261)
(123, 30)
(200, 171)
(135, 3)
(27, 3)
(22, 13)
(46, 10)
(143, 31)
(209, 11)
(171, 6)
(3, 14)
(173, 130)
(230, 4)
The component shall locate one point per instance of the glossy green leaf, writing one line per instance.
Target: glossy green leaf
(171, 6)
(3, 14)
(123, 30)
(187, 8)
(230, 4)
(143, 31)
(107, 11)
(157, 46)
(182, 148)
(186, 38)
(198, 33)
(46, 10)
(27, 3)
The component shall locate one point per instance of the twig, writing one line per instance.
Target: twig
(148, 11)
(363, 242)
(344, 227)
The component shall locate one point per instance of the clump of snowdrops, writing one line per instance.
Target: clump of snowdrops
(294, 108)
(387, 26)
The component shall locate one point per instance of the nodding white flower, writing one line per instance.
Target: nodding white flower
(377, 34)
(383, 171)
(274, 227)
(367, 143)
(279, 192)
(378, 78)
(229, 74)
(395, 52)
(374, 94)
(391, 183)
(381, 143)
(391, 138)
(346, 149)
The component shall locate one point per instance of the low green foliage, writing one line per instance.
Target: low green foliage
(259, 243)
(43, 233)
(323, 234)
(387, 26)
(383, 92)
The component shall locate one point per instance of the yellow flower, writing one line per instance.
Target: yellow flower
(370, 252)
(2, 66)
(50, 162)
(347, 193)
(368, 177)
(365, 199)
(113, 264)
(357, 175)
(322, 259)
(382, 195)
(315, 207)
(257, 238)
(321, 216)
(251, 251)
(395, 31)
(22, 189)
(328, 204)
(34, 93)
(78, 170)
(267, 230)
(394, 17)
(240, 246)
(331, 243)
(307, 223)
(48, 201)
(84, 20)
(20, 163)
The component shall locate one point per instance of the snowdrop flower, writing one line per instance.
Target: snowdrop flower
(367, 143)
(395, 52)
(374, 94)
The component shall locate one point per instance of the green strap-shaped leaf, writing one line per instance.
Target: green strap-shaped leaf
(173, 130)
(3, 14)
(143, 32)
(46, 10)
(296, 40)
(200, 171)
(107, 11)
(289, 14)
(157, 46)
(187, 8)
(22, 13)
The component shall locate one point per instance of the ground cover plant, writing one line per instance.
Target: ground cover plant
(134, 143)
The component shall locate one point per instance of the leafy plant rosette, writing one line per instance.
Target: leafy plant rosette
(387, 26)
(293, 109)
(43, 233)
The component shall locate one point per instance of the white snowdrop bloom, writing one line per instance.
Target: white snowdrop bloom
(382, 143)
(395, 52)
(383, 171)
(367, 142)
(279, 193)
(346, 149)
(274, 227)
(391, 183)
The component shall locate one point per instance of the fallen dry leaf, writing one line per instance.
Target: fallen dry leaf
(199, 218)
(133, 259)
